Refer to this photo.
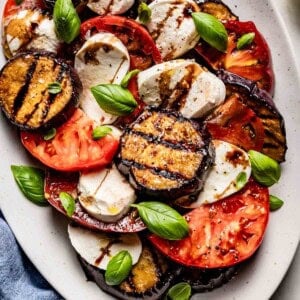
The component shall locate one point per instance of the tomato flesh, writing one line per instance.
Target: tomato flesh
(72, 148)
(235, 123)
(11, 7)
(252, 62)
(140, 45)
(224, 233)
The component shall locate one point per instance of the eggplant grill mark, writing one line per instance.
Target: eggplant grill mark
(276, 142)
(24, 89)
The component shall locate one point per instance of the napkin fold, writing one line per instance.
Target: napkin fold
(19, 279)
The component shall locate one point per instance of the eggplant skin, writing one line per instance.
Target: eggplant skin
(24, 93)
(165, 154)
(261, 102)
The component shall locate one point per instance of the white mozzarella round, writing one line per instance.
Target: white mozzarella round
(113, 7)
(30, 29)
(105, 194)
(221, 181)
(97, 248)
(102, 59)
(172, 27)
(182, 84)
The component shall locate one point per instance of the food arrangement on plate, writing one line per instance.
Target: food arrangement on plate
(157, 133)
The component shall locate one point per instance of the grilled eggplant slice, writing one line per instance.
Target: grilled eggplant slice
(24, 90)
(218, 9)
(262, 104)
(149, 279)
(165, 154)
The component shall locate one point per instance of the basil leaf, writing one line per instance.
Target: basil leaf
(100, 132)
(66, 20)
(50, 134)
(180, 291)
(54, 88)
(245, 40)
(128, 76)
(31, 182)
(211, 30)
(275, 203)
(114, 99)
(163, 220)
(18, 2)
(144, 13)
(118, 268)
(265, 170)
(68, 203)
(241, 180)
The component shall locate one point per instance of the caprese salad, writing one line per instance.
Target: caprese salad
(156, 131)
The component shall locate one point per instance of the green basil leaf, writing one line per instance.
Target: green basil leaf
(31, 182)
(163, 220)
(100, 132)
(68, 203)
(114, 99)
(118, 268)
(66, 20)
(18, 2)
(275, 203)
(180, 291)
(128, 76)
(54, 88)
(241, 180)
(245, 40)
(211, 30)
(50, 134)
(144, 13)
(265, 170)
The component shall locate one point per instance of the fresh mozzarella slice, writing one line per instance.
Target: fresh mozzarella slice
(181, 84)
(30, 29)
(97, 248)
(113, 7)
(221, 182)
(172, 27)
(105, 194)
(102, 59)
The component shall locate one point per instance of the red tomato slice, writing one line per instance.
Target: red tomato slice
(252, 62)
(72, 148)
(224, 233)
(11, 7)
(56, 182)
(235, 123)
(141, 47)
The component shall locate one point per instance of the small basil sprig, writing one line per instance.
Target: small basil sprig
(114, 99)
(18, 2)
(245, 40)
(163, 220)
(241, 180)
(144, 13)
(31, 182)
(66, 20)
(128, 76)
(100, 132)
(50, 134)
(118, 268)
(275, 203)
(68, 203)
(54, 88)
(180, 291)
(211, 30)
(265, 170)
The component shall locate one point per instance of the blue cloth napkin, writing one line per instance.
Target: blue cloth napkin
(19, 279)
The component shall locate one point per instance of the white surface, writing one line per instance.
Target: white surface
(43, 232)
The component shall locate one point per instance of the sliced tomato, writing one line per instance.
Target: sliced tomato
(72, 148)
(224, 233)
(57, 182)
(141, 47)
(11, 7)
(252, 62)
(235, 123)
